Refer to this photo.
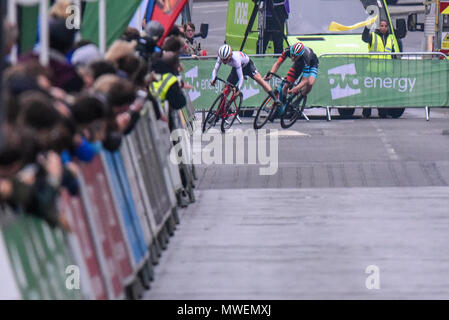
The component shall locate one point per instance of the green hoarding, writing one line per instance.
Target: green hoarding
(239, 13)
(351, 81)
(39, 256)
(343, 81)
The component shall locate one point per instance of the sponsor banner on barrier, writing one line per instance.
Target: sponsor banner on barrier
(152, 168)
(24, 261)
(342, 81)
(198, 75)
(132, 212)
(350, 81)
(9, 290)
(103, 218)
(126, 218)
(160, 136)
(74, 211)
(39, 257)
(141, 201)
(137, 161)
(53, 256)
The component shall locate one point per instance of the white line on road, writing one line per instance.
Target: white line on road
(390, 150)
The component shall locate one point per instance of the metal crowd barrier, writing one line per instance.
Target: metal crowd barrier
(365, 80)
(382, 80)
(34, 258)
(119, 225)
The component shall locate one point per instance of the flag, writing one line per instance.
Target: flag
(166, 12)
(334, 26)
(149, 11)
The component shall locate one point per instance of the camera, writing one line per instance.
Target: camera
(145, 47)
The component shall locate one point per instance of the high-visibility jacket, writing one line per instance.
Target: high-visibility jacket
(377, 45)
(160, 88)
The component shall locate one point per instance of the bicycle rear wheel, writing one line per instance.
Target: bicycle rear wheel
(232, 111)
(212, 116)
(293, 111)
(264, 112)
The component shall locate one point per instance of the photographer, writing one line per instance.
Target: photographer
(147, 45)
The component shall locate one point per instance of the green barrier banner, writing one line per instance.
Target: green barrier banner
(343, 81)
(198, 74)
(39, 257)
(361, 81)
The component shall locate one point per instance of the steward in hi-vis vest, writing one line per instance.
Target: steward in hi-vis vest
(165, 87)
(381, 40)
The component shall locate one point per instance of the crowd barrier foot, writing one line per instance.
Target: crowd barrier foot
(135, 290)
(144, 276)
(192, 198)
(181, 199)
(171, 226)
(194, 173)
(150, 269)
(155, 252)
(162, 238)
(175, 216)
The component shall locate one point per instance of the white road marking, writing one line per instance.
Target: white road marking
(288, 133)
(390, 150)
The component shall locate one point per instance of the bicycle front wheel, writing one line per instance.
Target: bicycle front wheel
(293, 111)
(264, 113)
(232, 111)
(213, 116)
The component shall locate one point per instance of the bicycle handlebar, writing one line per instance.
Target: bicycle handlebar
(269, 73)
(227, 83)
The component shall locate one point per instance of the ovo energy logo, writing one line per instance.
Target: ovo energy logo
(241, 13)
(345, 83)
(338, 77)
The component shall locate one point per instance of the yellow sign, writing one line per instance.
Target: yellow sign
(334, 26)
(445, 43)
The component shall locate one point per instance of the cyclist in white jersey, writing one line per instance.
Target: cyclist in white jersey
(242, 66)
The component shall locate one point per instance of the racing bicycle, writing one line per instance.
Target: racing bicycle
(229, 103)
(289, 111)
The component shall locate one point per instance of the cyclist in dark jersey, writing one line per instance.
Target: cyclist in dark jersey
(304, 61)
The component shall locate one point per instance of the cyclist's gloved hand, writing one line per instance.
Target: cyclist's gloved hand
(212, 83)
(268, 76)
(294, 90)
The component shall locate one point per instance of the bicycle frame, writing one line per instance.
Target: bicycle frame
(281, 94)
(222, 108)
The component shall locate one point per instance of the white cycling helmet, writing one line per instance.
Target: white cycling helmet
(225, 52)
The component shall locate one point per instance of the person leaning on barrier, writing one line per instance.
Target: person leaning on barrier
(165, 86)
(380, 40)
(192, 47)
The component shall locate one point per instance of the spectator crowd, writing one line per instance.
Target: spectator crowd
(59, 115)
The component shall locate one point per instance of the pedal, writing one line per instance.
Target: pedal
(239, 120)
(305, 117)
